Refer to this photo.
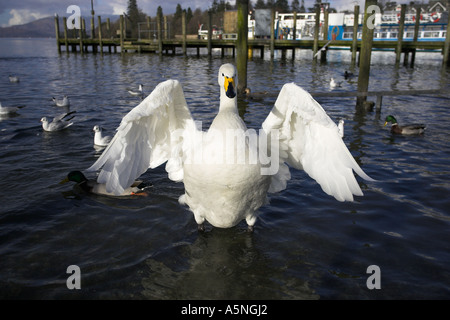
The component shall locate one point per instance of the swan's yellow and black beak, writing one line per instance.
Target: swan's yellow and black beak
(229, 87)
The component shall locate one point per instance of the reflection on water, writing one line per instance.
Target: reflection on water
(221, 264)
(306, 245)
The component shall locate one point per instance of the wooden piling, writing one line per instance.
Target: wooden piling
(209, 32)
(65, 34)
(446, 53)
(294, 34)
(401, 28)
(92, 28)
(416, 34)
(323, 53)
(108, 29)
(316, 33)
(183, 29)
(57, 33)
(272, 34)
(121, 33)
(242, 44)
(364, 56)
(158, 24)
(81, 34)
(100, 39)
(355, 34)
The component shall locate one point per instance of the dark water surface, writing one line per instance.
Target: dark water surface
(306, 245)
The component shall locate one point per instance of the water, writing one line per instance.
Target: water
(305, 245)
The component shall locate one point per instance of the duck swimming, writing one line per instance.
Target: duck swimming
(227, 171)
(409, 129)
(92, 186)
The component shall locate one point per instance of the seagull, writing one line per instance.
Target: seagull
(341, 127)
(139, 92)
(99, 140)
(59, 122)
(8, 110)
(227, 171)
(64, 102)
(334, 84)
(13, 79)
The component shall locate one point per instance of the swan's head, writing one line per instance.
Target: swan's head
(227, 75)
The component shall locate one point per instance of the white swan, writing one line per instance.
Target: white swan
(227, 171)
(99, 139)
(58, 123)
(64, 102)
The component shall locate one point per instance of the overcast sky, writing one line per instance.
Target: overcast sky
(13, 12)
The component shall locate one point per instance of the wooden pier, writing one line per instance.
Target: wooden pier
(172, 46)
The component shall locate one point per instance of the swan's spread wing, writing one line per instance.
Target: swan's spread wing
(149, 135)
(310, 140)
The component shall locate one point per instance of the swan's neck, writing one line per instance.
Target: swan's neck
(227, 104)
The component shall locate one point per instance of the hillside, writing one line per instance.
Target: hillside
(42, 28)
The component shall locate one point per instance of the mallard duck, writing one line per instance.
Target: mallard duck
(64, 102)
(58, 123)
(227, 171)
(92, 186)
(99, 139)
(407, 129)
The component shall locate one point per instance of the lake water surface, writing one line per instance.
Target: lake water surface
(306, 245)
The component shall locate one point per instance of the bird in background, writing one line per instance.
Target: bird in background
(58, 123)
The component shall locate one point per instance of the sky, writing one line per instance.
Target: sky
(14, 12)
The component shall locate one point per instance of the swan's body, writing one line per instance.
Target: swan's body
(228, 170)
(64, 102)
(99, 139)
(58, 123)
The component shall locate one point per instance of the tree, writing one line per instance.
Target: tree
(295, 5)
(260, 4)
(134, 16)
(282, 6)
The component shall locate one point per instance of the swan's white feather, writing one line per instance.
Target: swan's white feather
(313, 143)
(146, 137)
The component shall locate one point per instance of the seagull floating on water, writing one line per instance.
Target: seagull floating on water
(8, 110)
(227, 171)
(341, 127)
(334, 84)
(59, 122)
(99, 139)
(139, 92)
(64, 102)
(14, 79)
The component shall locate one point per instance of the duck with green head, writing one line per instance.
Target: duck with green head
(406, 129)
(92, 186)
